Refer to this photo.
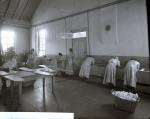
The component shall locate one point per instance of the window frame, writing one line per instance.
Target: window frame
(4, 39)
(43, 47)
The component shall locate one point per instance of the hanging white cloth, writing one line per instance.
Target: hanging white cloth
(110, 71)
(32, 59)
(86, 67)
(69, 65)
(130, 70)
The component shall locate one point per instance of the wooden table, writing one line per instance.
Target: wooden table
(3, 73)
(14, 79)
(20, 77)
(46, 74)
(42, 73)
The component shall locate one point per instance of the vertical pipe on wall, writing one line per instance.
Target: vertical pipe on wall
(116, 12)
(148, 21)
(66, 39)
(36, 38)
(88, 28)
(1, 61)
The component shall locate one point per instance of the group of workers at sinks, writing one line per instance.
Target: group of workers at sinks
(130, 69)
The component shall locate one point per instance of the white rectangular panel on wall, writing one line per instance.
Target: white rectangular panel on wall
(33, 38)
(132, 28)
(108, 20)
(76, 23)
(22, 40)
(55, 44)
(52, 9)
(102, 39)
(128, 34)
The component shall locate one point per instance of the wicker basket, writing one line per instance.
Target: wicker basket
(125, 105)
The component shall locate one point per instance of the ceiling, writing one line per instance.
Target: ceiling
(18, 9)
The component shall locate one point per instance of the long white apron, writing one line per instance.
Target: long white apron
(110, 74)
(130, 73)
(86, 67)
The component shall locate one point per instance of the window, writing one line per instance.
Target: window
(42, 38)
(7, 39)
(82, 34)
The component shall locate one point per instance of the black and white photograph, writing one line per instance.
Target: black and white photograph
(74, 59)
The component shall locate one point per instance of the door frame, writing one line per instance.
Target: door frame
(87, 42)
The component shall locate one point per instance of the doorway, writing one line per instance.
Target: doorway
(79, 46)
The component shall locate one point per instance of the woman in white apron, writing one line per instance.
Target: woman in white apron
(110, 71)
(130, 71)
(86, 67)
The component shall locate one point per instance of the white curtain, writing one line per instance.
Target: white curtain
(35, 39)
(79, 48)
(1, 50)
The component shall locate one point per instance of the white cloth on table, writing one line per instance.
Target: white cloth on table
(86, 67)
(130, 73)
(110, 71)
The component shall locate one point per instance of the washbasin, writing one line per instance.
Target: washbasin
(144, 70)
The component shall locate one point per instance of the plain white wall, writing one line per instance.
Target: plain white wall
(132, 28)
(22, 38)
(52, 9)
(128, 35)
(76, 23)
(104, 42)
(54, 44)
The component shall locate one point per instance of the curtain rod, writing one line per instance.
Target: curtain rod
(85, 11)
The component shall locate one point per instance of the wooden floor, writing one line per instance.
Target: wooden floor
(86, 100)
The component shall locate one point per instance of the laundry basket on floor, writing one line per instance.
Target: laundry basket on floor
(125, 104)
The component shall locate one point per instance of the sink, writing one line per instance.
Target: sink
(145, 70)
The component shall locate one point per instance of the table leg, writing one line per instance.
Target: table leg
(43, 84)
(20, 91)
(44, 106)
(12, 90)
